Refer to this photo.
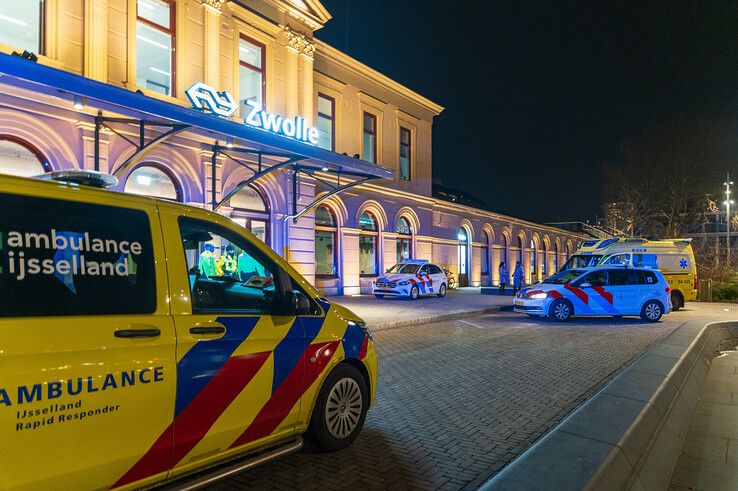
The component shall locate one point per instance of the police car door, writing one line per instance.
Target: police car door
(590, 290)
(624, 291)
(437, 276)
(87, 357)
(239, 356)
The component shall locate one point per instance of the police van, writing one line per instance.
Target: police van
(129, 358)
(674, 257)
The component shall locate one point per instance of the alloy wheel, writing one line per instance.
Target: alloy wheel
(343, 408)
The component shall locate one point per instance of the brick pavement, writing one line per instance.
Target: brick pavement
(458, 400)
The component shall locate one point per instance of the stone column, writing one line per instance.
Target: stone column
(96, 40)
(213, 9)
(292, 54)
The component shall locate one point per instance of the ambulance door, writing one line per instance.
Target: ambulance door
(87, 357)
(238, 353)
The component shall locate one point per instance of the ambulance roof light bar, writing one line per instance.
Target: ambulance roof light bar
(81, 177)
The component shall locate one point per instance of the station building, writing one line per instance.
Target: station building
(236, 106)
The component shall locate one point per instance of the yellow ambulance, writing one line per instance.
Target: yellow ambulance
(674, 257)
(127, 360)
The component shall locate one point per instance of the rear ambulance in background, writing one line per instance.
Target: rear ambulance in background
(674, 257)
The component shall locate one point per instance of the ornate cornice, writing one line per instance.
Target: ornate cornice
(299, 42)
(215, 6)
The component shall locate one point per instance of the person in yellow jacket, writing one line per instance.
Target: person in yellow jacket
(227, 263)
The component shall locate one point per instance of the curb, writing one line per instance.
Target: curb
(439, 318)
(628, 435)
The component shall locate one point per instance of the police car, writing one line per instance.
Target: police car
(598, 291)
(411, 278)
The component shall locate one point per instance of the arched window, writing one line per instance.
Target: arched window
(520, 251)
(250, 210)
(544, 262)
(152, 181)
(533, 256)
(484, 251)
(368, 238)
(505, 250)
(404, 239)
(325, 243)
(20, 158)
(462, 254)
(556, 257)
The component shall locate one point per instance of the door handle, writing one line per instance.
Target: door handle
(137, 333)
(208, 328)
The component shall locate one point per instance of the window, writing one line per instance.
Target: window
(155, 45)
(226, 272)
(533, 256)
(326, 122)
(462, 250)
(595, 278)
(544, 259)
(505, 250)
(485, 253)
(434, 269)
(77, 259)
(368, 244)
(621, 277)
(251, 212)
(325, 243)
(369, 143)
(19, 158)
(21, 25)
(520, 250)
(405, 153)
(251, 71)
(148, 180)
(556, 257)
(404, 239)
(618, 259)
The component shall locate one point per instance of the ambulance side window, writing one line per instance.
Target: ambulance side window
(227, 274)
(618, 259)
(62, 257)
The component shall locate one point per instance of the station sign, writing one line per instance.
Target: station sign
(205, 98)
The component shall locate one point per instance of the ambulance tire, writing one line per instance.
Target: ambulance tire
(561, 310)
(414, 292)
(340, 409)
(652, 311)
(677, 302)
(442, 291)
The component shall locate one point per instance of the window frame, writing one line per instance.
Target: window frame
(248, 215)
(374, 234)
(171, 31)
(172, 177)
(373, 133)
(262, 71)
(332, 118)
(485, 266)
(409, 146)
(334, 231)
(30, 147)
(402, 237)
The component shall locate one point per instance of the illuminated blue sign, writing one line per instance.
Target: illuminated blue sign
(204, 97)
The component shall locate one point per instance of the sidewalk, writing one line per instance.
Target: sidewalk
(394, 312)
(709, 458)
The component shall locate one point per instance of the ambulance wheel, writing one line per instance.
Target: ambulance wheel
(560, 310)
(414, 292)
(378, 295)
(442, 291)
(652, 311)
(677, 302)
(340, 410)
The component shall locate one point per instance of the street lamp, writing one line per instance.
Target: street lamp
(727, 203)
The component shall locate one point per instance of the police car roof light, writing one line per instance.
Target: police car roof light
(415, 261)
(81, 177)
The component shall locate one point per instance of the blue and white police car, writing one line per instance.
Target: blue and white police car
(598, 291)
(411, 278)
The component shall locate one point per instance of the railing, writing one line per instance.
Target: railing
(596, 231)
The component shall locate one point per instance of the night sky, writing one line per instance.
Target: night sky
(538, 97)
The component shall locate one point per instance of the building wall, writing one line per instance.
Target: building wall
(96, 38)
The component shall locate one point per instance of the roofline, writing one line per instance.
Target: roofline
(363, 70)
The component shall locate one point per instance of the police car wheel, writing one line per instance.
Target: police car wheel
(560, 310)
(652, 311)
(442, 291)
(676, 301)
(414, 293)
(340, 410)
(378, 295)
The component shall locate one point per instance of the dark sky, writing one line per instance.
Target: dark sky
(538, 95)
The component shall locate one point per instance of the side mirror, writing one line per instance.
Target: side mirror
(298, 303)
(585, 285)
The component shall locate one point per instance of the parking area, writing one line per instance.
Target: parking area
(459, 399)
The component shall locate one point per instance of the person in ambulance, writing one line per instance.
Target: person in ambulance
(127, 361)
(411, 278)
(598, 291)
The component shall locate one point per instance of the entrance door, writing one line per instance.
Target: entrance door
(463, 256)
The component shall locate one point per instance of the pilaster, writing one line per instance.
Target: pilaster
(96, 40)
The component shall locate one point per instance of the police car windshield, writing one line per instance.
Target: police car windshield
(581, 261)
(404, 269)
(565, 276)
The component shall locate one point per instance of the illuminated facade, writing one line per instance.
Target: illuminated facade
(264, 55)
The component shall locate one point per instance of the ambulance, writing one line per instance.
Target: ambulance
(129, 359)
(674, 257)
